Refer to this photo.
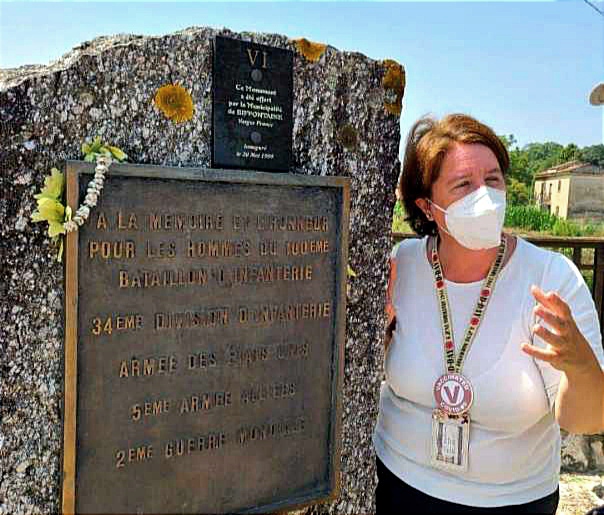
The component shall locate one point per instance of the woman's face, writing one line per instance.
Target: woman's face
(465, 168)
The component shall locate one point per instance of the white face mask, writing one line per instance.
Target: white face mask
(476, 220)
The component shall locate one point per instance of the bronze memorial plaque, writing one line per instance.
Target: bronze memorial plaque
(205, 314)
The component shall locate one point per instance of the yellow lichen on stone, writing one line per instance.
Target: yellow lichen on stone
(175, 102)
(312, 51)
(394, 84)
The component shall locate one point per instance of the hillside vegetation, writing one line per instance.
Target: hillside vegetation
(525, 162)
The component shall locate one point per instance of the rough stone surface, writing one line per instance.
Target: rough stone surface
(105, 87)
(582, 453)
(575, 453)
(596, 449)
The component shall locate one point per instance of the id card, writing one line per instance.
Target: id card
(450, 442)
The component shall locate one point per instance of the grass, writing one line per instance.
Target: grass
(531, 221)
(526, 220)
(398, 219)
(532, 218)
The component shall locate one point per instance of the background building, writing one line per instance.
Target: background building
(571, 190)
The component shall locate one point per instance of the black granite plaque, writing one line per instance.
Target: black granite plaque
(252, 106)
(205, 348)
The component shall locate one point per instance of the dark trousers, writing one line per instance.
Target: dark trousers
(395, 497)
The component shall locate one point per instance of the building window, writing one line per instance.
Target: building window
(559, 186)
(557, 210)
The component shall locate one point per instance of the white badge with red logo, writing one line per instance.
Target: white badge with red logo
(452, 391)
(450, 422)
(453, 394)
(450, 442)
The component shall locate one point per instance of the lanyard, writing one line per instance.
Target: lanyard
(454, 364)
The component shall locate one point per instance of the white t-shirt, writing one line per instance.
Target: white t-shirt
(514, 454)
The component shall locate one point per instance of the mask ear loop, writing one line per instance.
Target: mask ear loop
(432, 219)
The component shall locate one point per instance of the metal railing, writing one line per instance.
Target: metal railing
(586, 253)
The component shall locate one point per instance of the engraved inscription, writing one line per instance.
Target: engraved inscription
(218, 248)
(197, 319)
(271, 313)
(281, 429)
(161, 249)
(116, 323)
(183, 447)
(208, 317)
(201, 361)
(306, 247)
(205, 402)
(138, 454)
(184, 222)
(122, 249)
(126, 221)
(265, 392)
(166, 278)
(292, 223)
(246, 356)
(154, 365)
(149, 409)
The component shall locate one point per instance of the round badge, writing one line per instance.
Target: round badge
(453, 394)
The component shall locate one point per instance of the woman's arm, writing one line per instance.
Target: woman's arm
(390, 311)
(579, 406)
(580, 400)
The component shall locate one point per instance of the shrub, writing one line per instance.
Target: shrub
(529, 218)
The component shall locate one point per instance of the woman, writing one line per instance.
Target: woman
(496, 342)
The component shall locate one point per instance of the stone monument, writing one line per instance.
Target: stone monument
(346, 110)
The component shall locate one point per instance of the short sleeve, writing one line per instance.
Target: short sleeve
(564, 277)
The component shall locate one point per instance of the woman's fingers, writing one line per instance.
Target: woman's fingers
(557, 323)
(553, 339)
(548, 355)
(551, 300)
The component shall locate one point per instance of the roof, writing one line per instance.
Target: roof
(570, 167)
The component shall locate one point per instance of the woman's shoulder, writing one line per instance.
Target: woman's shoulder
(553, 267)
(539, 255)
(409, 248)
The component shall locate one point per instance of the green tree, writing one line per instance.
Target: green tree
(569, 153)
(533, 158)
(519, 163)
(593, 155)
(520, 166)
(508, 141)
(542, 156)
(518, 193)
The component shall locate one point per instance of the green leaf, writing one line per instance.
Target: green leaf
(89, 158)
(51, 210)
(53, 186)
(36, 217)
(55, 228)
(96, 144)
(118, 153)
(85, 148)
(60, 253)
(350, 272)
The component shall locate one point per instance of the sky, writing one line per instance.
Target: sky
(524, 68)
